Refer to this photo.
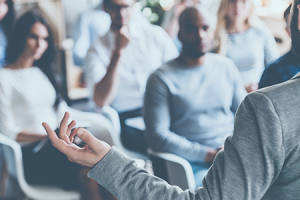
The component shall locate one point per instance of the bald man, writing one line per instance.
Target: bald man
(190, 101)
(260, 160)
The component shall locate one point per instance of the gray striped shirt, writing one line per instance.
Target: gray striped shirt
(252, 51)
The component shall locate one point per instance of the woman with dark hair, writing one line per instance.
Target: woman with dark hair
(7, 18)
(29, 95)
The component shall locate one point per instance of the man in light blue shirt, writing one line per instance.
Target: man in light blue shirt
(190, 102)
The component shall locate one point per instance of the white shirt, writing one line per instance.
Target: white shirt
(149, 48)
(26, 100)
(93, 24)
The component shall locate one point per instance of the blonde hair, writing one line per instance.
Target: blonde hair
(221, 35)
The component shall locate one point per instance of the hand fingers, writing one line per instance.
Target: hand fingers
(52, 135)
(70, 127)
(73, 133)
(64, 128)
(56, 142)
(89, 139)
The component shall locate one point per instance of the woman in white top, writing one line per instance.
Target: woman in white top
(29, 95)
(241, 36)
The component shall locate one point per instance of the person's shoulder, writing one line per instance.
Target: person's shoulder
(263, 31)
(220, 60)
(5, 76)
(166, 68)
(283, 92)
(94, 14)
(279, 63)
(155, 31)
(101, 41)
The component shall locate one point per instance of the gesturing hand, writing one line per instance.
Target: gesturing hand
(89, 155)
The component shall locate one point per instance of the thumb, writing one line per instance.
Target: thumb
(88, 138)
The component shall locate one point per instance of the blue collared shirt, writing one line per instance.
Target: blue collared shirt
(3, 44)
(283, 69)
(90, 25)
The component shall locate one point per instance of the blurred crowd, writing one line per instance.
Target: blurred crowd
(185, 79)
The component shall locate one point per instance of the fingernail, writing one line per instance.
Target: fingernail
(80, 132)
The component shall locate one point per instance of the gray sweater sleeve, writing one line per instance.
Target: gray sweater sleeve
(250, 162)
(119, 175)
(157, 119)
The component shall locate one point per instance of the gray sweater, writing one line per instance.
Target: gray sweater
(188, 110)
(261, 160)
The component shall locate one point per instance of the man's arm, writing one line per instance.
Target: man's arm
(105, 90)
(157, 119)
(251, 161)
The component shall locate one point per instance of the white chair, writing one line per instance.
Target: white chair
(14, 160)
(173, 169)
(113, 116)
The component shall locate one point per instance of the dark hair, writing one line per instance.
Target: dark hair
(17, 42)
(287, 12)
(9, 18)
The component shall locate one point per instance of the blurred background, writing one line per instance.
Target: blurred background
(63, 15)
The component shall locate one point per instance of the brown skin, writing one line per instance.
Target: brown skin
(120, 12)
(196, 35)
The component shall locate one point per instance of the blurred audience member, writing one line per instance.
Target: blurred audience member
(7, 17)
(286, 66)
(241, 36)
(170, 21)
(90, 25)
(119, 63)
(29, 95)
(190, 101)
(93, 24)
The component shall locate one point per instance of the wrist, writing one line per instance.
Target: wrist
(118, 52)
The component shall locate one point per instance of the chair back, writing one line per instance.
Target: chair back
(173, 169)
(13, 160)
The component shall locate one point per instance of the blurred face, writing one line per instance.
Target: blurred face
(3, 9)
(196, 34)
(37, 41)
(120, 12)
(239, 10)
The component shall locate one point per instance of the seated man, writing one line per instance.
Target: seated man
(285, 67)
(93, 24)
(119, 63)
(260, 159)
(190, 101)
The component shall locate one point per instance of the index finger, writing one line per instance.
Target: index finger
(64, 127)
(56, 142)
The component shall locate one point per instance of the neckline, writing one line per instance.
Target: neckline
(21, 69)
(239, 33)
(181, 66)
